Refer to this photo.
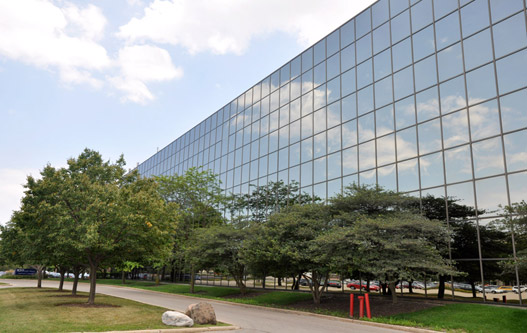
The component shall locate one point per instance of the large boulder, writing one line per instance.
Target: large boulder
(202, 313)
(174, 318)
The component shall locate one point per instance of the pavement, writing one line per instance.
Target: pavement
(250, 319)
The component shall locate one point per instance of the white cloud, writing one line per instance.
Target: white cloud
(227, 26)
(141, 64)
(11, 183)
(41, 34)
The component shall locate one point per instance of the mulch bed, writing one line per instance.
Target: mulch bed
(247, 295)
(379, 305)
(69, 296)
(86, 305)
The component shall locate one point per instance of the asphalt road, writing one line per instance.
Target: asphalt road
(249, 318)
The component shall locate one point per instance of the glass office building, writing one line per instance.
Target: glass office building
(422, 97)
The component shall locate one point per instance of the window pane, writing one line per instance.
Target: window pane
(450, 62)
(406, 144)
(443, 7)
(383, 92)
(429, 137)
(319, 145)
(513, 115)
(349, 160)
(320, 120)
(481, 84)
(367, 178)
(381, 38)
(364, 74)
(333, 43)
(380, 13)
(458, 164)
(363, 23)
(503, 8)
(307, 81)
(320, 74)
(333, 114)
(334, 140)
(319, 173)
(364, 48)
(319, 97)
(307, 126)
(484, 120)
(432, 170)
(424, 43)
(347, 57)
(367, 155)
(421, 14)
(427, 104)
(347, 33)
(386, 150)
(405, 113)
(307, 104)
(515, 151)
(452, 95)
(425, 73)
(366, 127)
(512, 72)
(400, 26)
(474, 17)
(349, 107)
(491, 194)
(397, 6)
(387, 178)
(333, 66)
(402, 54)
(382, 64)
(348, 82)
(403, 83)
(333, 90)
(294, 154)
(319, 53)
(517, 186)
(478, 49)
(349, 133)
(307, 150)
(306, 172)
(488, 157)
(455, 128)
(408, 175)
(365, 100)
(384, 119)
(447, 30)
(510, 35)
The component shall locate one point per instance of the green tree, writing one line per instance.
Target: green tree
(399, 247)
(220, 248)
(200, 199)
(294, 246)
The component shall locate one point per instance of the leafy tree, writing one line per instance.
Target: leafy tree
(515, 220)
(293, 244)
(199, 196)
(220, 248)
(267, 199)
(399, 247)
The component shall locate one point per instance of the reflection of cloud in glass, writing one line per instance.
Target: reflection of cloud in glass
(455, 128)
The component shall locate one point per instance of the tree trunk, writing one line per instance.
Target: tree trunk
(410, 289)
(263, 281)
(473, 285)
(39, 276)
(192, 278)
(280, 282)
(76, 272)
(441, 288)
(368, 285)
(123, 277)
(163, 273)
(61, 283)
(157, 277)
(93, 281)
(384, 286)
(391, 286)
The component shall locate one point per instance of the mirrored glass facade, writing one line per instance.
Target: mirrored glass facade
(424, 97)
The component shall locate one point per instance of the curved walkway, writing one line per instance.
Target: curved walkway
(249, 318)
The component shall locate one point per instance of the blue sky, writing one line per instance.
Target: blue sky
(130, 76)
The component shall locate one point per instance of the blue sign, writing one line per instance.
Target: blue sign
(25, 271)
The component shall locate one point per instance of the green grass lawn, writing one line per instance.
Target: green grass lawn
(39, 310)
(464, 318)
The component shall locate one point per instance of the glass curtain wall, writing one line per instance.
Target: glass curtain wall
(423, 97)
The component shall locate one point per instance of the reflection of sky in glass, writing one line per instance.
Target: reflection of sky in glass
(488, 157)
(429, 136)
(510, 35)
(408, 175)
(484, 120)
(386, 176)
(458, 164)
(367, 155)
(518, 186)
(515, 151)
(491, 193)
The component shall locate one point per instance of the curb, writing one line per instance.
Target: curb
(178, 330)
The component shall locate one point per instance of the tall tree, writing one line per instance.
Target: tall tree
(199, 196)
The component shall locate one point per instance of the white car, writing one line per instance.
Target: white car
(53, 274)
(522, 289)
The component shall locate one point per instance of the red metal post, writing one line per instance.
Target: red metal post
(368, 312)
(351, 305)
(504, 299)
(361, 306)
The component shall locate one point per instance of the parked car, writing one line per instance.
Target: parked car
(333, 283)
(501, 290)
(304, 282)
(363, 286)
(522, 289)
(2, 273)
(53, 274)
